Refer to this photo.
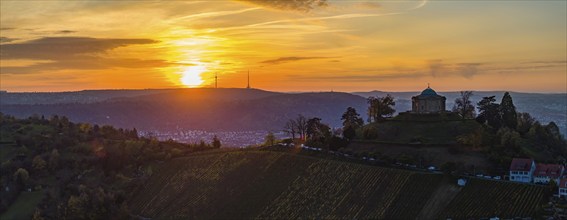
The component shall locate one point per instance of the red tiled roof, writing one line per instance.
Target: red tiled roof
(550, 170)
(563, 183)
(521, 164)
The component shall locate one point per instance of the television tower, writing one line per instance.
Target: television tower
(248, 86)
(216, 79)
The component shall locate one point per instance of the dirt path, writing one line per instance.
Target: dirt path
(442, 197)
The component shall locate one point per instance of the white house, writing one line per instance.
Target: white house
(563, 187)
(547, 172)
(462, 182)
(522, 170)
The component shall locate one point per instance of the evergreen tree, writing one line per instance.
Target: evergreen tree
(508, 111)
(489, 112)
(351, 122)
(352, 118)
(349, 133)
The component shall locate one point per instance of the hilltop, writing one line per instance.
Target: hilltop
(278, 185)
(545, 107)
(424, 129)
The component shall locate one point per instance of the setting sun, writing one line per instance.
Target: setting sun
(191, 77)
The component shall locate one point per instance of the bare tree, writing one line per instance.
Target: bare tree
(290, 128)
(463, 105)
(301, 125)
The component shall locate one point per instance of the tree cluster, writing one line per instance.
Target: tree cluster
(380, 107)
(313, 132)
(510, 134)
(497, 115)
(84, 171)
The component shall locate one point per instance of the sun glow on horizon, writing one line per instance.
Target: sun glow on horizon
(191, 77)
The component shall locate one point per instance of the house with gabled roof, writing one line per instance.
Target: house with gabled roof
(522, 170)
(562, 187)
(544, 173)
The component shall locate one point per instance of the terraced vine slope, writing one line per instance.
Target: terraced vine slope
(275, 185)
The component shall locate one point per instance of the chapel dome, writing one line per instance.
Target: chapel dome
(429, 92)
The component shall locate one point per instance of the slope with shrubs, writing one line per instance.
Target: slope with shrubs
(275, 185)
(56, 169)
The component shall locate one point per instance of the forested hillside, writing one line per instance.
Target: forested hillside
(55, 169)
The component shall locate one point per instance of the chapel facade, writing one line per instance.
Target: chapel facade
(428, 102)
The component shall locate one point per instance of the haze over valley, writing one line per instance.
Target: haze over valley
(240, 117)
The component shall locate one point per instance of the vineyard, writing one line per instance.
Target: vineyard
(272, 185)
(503, 199)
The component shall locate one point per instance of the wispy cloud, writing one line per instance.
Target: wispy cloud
(439, 68)
(435, 66)
(291, 59)
(212, 14)
(73, 53)
(547, 62)
(58, 48)
(65, 32)
(421, 4)
(6, 39)
(295, 5)
(368, 5)
(86, 63)
(357, 77)
(468, 70)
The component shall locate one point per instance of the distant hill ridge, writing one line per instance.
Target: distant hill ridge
(128, 107)
(200, 109)
(279, 185)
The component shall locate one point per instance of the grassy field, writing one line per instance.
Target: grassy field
(23, 207)
(275, 185)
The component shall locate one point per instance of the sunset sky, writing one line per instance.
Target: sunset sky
(310, 45)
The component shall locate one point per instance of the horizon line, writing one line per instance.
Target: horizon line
(300, 91)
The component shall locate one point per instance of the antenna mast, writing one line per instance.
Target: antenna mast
(248, 86)
(216, 79)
